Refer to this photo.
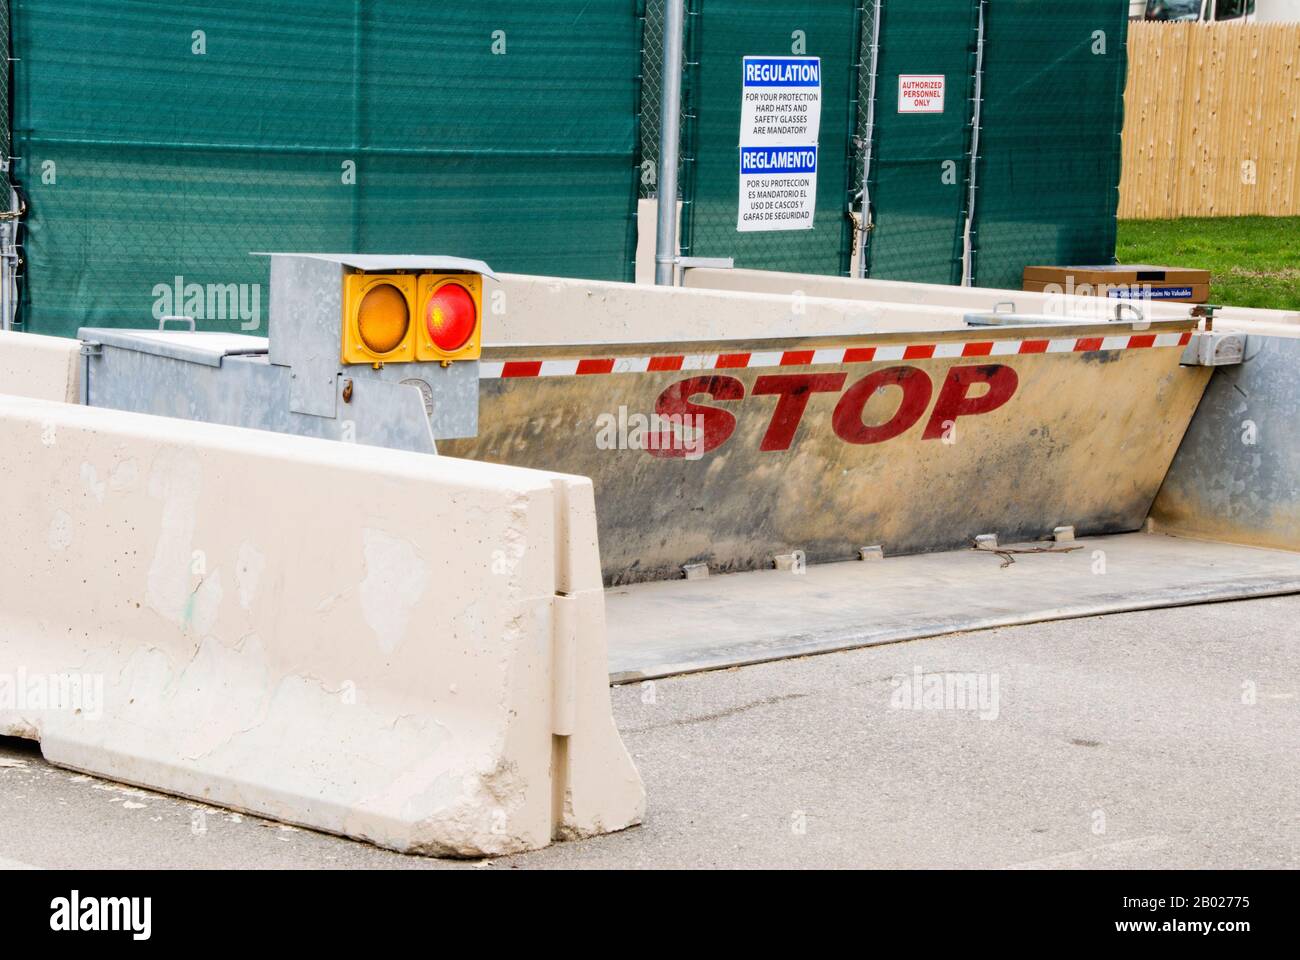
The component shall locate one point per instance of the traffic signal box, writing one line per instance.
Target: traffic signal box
(411, 317)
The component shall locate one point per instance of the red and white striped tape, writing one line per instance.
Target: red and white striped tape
(508, 369)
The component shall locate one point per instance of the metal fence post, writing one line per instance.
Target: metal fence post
(666, 251)
(869, 136)
(968, 273)
(10, 201)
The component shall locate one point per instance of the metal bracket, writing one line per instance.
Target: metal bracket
(314, 389)
(713, 263)
(162, 323)
(1207, 310)
(88, 349)
(1215, 350)
(1138, 315)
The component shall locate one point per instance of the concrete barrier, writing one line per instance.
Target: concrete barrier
(44, 368)
(399, 648)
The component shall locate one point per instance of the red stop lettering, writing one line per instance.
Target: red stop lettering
(955, 399)
(795, 390)
(719, 424)
(917, 390)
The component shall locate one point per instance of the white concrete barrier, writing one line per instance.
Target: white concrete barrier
(44, 368)
(400, 648)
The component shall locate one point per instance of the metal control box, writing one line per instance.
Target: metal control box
(294, 381)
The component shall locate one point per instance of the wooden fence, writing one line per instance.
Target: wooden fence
(1212, 121)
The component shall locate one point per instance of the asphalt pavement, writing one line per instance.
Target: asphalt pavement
(1164, 738)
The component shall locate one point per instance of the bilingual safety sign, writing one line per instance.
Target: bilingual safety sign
(780, 122)
(781, 104)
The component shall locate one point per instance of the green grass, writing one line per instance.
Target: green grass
(1253, 261)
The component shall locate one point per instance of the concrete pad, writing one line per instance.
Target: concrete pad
(663, 629)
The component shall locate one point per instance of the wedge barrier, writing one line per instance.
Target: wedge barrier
(399, 648)
(1236, 477)
(730, 453)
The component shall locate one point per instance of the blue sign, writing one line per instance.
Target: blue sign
(756, 161)
(783, 72)
(1152, 293)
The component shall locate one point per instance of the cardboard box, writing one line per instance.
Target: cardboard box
(1123, 282)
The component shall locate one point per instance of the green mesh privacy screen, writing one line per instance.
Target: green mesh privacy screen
(723, 32)
(1048, 171)
(920, 163)
(169, 139)
(1051, 144)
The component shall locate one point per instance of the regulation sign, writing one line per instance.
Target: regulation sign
(781, 102)
(780, 122)
(921, 93)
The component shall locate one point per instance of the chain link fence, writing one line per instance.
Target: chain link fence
(652, 72)
(727, 31)
(652, 13)
(158, 147)
(154, 158)
(1052, 137)
(921, 157)
(5, 134)
(10, 202)
(1044, 185)
(868, 94)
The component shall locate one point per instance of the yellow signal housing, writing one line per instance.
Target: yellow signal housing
(379, 318)
(449, 317)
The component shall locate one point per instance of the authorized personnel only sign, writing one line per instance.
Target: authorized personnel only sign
(780, 122)
(921, 93)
